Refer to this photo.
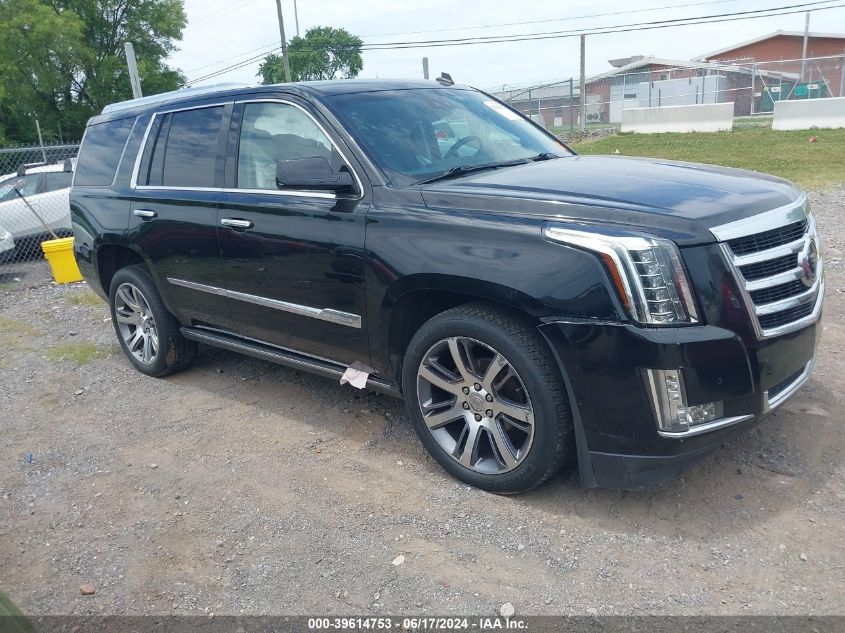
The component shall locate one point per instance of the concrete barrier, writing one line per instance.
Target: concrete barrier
(809, 113)
(704, 117)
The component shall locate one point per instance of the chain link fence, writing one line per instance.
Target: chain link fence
(753, 87)
(34, 203)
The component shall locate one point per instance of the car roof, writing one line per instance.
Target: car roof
(136, 107)
(60, 166)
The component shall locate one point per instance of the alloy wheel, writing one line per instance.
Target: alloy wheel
(136, 324)
(475, 405)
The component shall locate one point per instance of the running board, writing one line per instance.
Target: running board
(284, 357)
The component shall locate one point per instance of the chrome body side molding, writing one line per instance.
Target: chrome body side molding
(323, 314)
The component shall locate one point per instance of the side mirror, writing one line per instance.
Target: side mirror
(313, 172)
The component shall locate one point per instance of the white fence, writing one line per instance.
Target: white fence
(704, 117)
(810, 113)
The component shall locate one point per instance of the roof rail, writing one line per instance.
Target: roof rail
(170, 96)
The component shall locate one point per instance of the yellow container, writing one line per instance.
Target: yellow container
(60, 255)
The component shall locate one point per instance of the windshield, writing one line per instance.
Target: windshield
(420, 134)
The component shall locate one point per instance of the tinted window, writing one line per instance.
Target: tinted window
(55, 180)
(272, 132)
(27, 185)
(417, 134)
(186, 149)
(100, 152)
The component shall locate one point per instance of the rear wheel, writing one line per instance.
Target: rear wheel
(147, 332)
(487, 399)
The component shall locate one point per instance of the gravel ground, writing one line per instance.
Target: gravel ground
(242, 487)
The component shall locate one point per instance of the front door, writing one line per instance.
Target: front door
(293, 260)
(174, 212)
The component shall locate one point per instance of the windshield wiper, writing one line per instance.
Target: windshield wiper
(543, 156)
(462, 170)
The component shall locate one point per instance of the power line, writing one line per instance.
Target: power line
(226, 59)
(548, 20)
(216, 15)
(598, 30)
(462, 28)
(641, 26)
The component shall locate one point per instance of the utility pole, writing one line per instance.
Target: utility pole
(296, 17)
(583, 85)
(425, 68)
(133, 70)
(40, 140)
(842, 78)
(804, 50)
(284, 43)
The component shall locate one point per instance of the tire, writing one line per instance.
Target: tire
(140, 318)
(524, 437)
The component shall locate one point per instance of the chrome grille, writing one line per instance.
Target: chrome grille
(768, 239)
(771, 255)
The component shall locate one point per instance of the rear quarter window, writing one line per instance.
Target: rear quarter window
(100, 153)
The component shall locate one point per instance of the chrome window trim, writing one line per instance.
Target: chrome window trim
(770, 404)
(323, 314)
(787, 214)
(133, 183)
(292, 192)
(298, 193)
(122, 153)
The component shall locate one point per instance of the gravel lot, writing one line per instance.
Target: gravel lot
(242, 487)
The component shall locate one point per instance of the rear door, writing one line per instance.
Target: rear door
(18, 219)
(173, 216)
(293, 259)
(52, 200)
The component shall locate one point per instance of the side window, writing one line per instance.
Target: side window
(100, 152)
(185, 150)
(271, 132)
(27, 185)
(55, 180)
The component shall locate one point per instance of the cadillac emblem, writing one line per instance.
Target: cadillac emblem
(808, 261)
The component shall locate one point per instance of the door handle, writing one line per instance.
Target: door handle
(235, 223)
(145, 214)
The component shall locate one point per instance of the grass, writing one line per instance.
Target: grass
(789, 155)
(17, 328)
(80, 353)
(85, 299)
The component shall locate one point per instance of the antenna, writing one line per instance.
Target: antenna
(445, 79)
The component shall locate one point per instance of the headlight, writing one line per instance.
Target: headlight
(646, 271)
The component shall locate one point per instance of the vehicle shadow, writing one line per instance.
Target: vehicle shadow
(757, 476)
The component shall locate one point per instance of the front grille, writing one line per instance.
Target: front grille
(768, 239)
(776, 293)
(767, 253)
(769, 267)
(777, 319)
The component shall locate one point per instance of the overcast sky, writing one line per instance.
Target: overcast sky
(223, 32)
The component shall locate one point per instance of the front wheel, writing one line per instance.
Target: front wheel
(487, 399)
(147, 332)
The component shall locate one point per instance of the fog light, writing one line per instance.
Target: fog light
(669, 400)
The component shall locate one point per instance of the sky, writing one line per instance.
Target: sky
(223, 32)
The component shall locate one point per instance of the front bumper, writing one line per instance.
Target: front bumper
(619, 445)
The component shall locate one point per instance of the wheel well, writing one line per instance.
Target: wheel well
(415, 308)
(110, 259)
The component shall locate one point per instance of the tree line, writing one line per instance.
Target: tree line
(62, 61)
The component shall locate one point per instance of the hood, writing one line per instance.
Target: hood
(681, 201)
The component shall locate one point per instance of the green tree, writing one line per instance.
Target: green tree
(324, 53)
(63, 60)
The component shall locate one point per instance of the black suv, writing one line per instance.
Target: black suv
(532, 306)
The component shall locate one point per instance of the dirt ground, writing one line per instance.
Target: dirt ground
(242, 487)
